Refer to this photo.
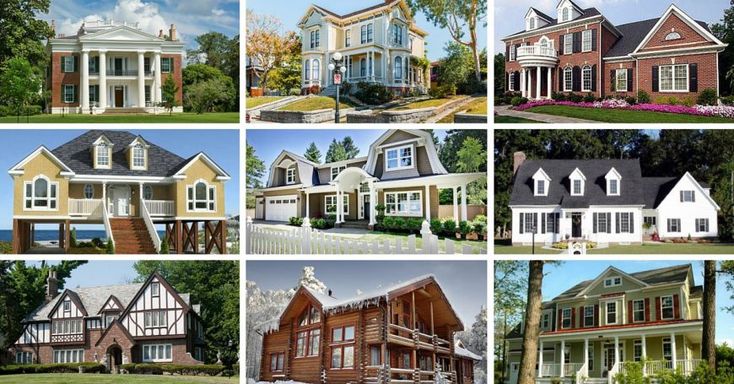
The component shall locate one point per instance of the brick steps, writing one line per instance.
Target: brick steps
(131, 236)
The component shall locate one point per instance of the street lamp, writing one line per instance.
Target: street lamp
(337, 67)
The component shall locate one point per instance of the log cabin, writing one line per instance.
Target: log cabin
(398, 334)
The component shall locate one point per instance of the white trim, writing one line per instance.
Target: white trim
(399, 158)
(121, 179)
(48, 198)
(408, 202)
(583, 81)
(31, 217)
(634, 310)
(222, 175)
(559, 27)
(590, 41)
(427, 141)
(600, 278)
(673, 72)
(346, 201)
(335, 163)
(672, 307)
(615, 301)
(167, 348)
(339, 169)
(15, 170)
(138, 146)
(290, 174)
(570, 317)
(612, 280)
(685, 18)
(565, 44)
(565, 82)
(210, 190)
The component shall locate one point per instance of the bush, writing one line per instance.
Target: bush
(436, 226)
(630, 100)
(707, 97)
(414, 225)
(727, 100)
(346, 87)
(643, 97)
(558, 96)
(575, 98)
(51, 368)
(400, 223)
(295, 221)
(97, 242)
(464, 227)
(164, 246)
(110, 248)
(518, 100)
(449, 227)
(480, 219)
(28, 110)
(442, 91)
(294, 92)
(589, 98)
(372, 93)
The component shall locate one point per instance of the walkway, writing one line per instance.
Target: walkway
(504, 110)
(458, 108)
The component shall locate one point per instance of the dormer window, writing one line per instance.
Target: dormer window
(540, 187)
(399, 158)
(566, 14)
(290, 175)
(577, 183)
(613, 182)
(531, 23)
(138, 156)
(335, 171)
(103, 155)
(541, 181)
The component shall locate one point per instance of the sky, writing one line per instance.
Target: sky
(192, 17)
(510, 14)
(463, 282)
(291, 11)
(269, 143)
(220, 145)
(556, 281)
(99, 273)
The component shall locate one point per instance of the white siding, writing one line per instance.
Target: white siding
(134, 321)
(672, 208)
(61, 314)
(111, 304)
(587, 225)
(35, 333)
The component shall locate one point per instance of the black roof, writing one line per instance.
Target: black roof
(588, 12)
(633, 34)
(656, 188)
(543, 15)
(77, 155)
(595, 185)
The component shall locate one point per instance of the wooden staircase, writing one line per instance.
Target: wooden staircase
(131, 236)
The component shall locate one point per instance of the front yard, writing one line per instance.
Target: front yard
(315, 103)
(75, 378)
(644, 249)
(426, 103)
(498, 119)
(252, 102)
(622, 115)
(186, 117)
(477, 106)
(478, 247)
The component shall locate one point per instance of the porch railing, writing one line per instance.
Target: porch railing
(554, 369)
(106, 222)
(160, 207)
(536, 50)
(582, 373)
(613, 372)
(686, 367)
(86, 207)
(151, 228)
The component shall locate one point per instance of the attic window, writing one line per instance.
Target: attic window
(336, 170)
(613, 281)
(672, 36)
(138, 156)
(578, 187)
(290, 175)
(67, 306)
(103, 155)
(155, 289)
(310, 315)
(566, 14)
(532, 23)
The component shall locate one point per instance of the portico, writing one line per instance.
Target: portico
(537, 64)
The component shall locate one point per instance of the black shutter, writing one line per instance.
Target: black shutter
(507, 82)
(557, 222)
(593, 76)
(632, 222)
(576, 42)
(76, 63)
(616, 221)
(522, 222)
(609, 222)
(76, 93)
(693, 196)
(535, 222)
(595, 221)
(655, 77)
(576, 79)
(681, 196)
(517, 80)
(668, 225)
(693, 77)
(507, 53)
(696, 228)
(542, 223)
(62, 93)
(560, 45)
(561, 85)
(63, 64)
(613, 79)
(593, 40)
(629, 80)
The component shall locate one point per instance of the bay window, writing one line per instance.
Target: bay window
(404, 203)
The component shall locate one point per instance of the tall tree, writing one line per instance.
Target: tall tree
(529, 357)
(313, 153)
(336, 152)
(169, 94)
(499, 74)
(460, 18)
(510, 281)
(19, 84)
(708, 343)
(724, 30)
(212, 50)
(456, 66)
(23, 33)
(349, 147)
(254, 168)
(266, 44)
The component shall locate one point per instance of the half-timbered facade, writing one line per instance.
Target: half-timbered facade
(128, 184)
(113, 325)
(402, 333)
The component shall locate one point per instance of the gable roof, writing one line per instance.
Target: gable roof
(304, 166)
(633, 34)
(656, 189)
(686, 19)
(431, 151)
(221, 174)
(183, 299)
(17, 169)
(585, 13)
(540, 14)
(92, 298)
(357, 12)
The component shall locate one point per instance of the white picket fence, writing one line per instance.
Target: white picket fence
(305, 240)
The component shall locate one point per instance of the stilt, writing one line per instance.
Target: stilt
(67, 234)
(62, 236)
(223, 236)
(17, 239)
(208, 237)
(178, 233)
(195, 237)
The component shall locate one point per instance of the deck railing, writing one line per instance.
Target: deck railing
(536, 50)
(151, 228)
(106, 222)
(86, 207)
(160, 207)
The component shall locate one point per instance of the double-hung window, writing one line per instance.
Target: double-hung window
(620, 83)
(577, 188)
(201, 197)
(702, 225)
(68, 64)
(41, 194)
(688, 196)
(566, 318)
(330, 202)
(667, 349)
(586, 41)
(568, 44)
(315, 39)
(404, 203)
(588, 316)
(157, 353)
(673, 225)
(103, 155)
(540, 188)
(567, 79)
(637, 351)
(348, 38)
(529, 221)
(611, 312)
(69, 93)
(586, 83)
(602, 222)
(155, 319)
(166, 64)
(546, 321)
(624, 222)
(138, 156)
(666, 308)
(673, 78)
(290, 175)
(638, 310)
(399, 158)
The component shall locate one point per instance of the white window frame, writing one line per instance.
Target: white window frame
(138, 157)
(663, 307)
(608, 312)
(400, 157)
(211, 197)
(610, 192)
(409, 200)
(620, 73)
(586, 41)
(88, 191)
(339, 169)
(674, 69)
(538, 191)
(155, 319)
(700, 221)
(673, 225)
(52, 195)
(513, 52)
(348, 38)
(307, 69)
(147, 192)
(316, 69)
(602, 225)
(567, 79)
(591, 358)
(107, 157)
(151, 353)
(573, 187)
(566, 14)
(586, 69)
(528, 221)
(612, 281)
(531, 23)
(688, 196)
(23, 357)
(67, 327)
(69, 62)
(565, 317)
(398, 71)
(672, 36)
(155, 289)
(667, 342)
(585, 316)
(68, 100)
(62, 356)
(568, 44)
(624, 222)
(635, 310)
(66, 305)
(328, 204)
(545, 322)
(290, 175)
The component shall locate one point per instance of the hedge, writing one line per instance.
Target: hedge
(51, 368)
(186, 370)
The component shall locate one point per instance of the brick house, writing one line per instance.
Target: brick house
(146, 322)
(111, 67)
(584, 52)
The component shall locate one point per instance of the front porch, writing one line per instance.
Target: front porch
(537, 70)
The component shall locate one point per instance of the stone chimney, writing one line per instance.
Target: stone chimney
(517, 159)
(172, 33)
(52, 286)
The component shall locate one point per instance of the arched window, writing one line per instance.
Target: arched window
(673, 36)
(147, 192)
(41, 194)
(398, 68)
(316, 74)
(201, 197)
(568, 79)
(307, 70)
(138, 156)
(544, 42)
(88, 191)
(566, 16)
(586, 84)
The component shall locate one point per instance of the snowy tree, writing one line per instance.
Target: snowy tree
(308, 279)
(475, 340)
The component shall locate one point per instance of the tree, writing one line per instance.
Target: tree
(313, 153)
(499, 74)
(475, 340)
(169, 92)
(341, 150)
(254, 167)
(459, 17)
(19, 84)
(23, 33)
(529, 356)
(472, 157)
(266, 44)
(448, 153)
(210, 95)
(212, 50)
(708, 343)
(456, 67)
(724, 31)
(288, 75)
(349, 147)
(510, 281)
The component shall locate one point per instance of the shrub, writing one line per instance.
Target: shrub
(380, 208)
(319, 223)
(143, 369)
(589, 98)
(372, 93)
(630, 100)
(707, 97)
(110, 248)
(442, 91)
(97, 242)
(449, 227)
(643, 97)
(518, 100)
(72, 238)
(436, 226)
(164, 246)
(294, 92)
(480, 219)
(413, 224)
(727, 100)
(464, 227)
(346, 87)
(295, 221)
(558, 96)
(51, 368)
(399, 223)
(389, 223)
(576, 98)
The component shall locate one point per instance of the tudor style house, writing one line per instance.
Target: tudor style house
(126, 183)
(402, 333)
(113, 325)
(580, 50)
(605, 201)
(114, 68)
(591, 331)
(378, 45)
(401, 171)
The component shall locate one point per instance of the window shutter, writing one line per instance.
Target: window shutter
(616, 221)
(596, 315)
(630, 83)
(573, 317)
(609, 222)
(76, 63)
(632, 222)
(681, 196)
(76, 94)
(668, 225)
(676, 307)
(522, 222)
(542, 223)
(593, 39)
(593, 76)
(576, 79)
(655, 78)
(693, 77)
(693, 196)
(535, 221)
(558, 222)
(613, 80)
(581, 316)
(560, 79)
(657, 308)
(576, 42)
(696, 229)
(595, 221)
(517, 79)
(507, 53)
(63, 64)
(508, 85)
(629, 312)
(647, 309)
(560, 46)
(560, 318)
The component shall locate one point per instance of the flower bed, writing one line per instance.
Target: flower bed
(696, 110)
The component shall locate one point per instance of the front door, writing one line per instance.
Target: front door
(576, 225)
(120, 201)
(364, 211)
(609, 355)
(514, 369)
(119, 97)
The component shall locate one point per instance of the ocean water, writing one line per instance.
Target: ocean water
(50, 234)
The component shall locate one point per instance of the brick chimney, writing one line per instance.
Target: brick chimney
(517, 159)
(52, 286)
(172, 33)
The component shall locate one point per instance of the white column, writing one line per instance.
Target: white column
(373, 202)
(529, 84)
(672, 349)
(563, 359)
(586, 355)
(537, 82)
(540, 360)
(141, 79)
(156, 91)
(456, 206)
(102, 78)
(428, 203)
(550, 82)
(644, 354)
(84, 91)
(616, 349)
(307, 204)
(523, 89)
(463, 203)
(372, 70)
(338, 204)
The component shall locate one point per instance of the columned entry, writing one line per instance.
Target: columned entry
(119, 97)
(576, 223)
(609, 355)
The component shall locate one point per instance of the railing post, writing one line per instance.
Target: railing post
(306, 233)
(426, 236)
(248, 235)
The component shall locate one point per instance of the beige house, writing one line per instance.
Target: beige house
(401, 171)
(126, 183)
(378, 45)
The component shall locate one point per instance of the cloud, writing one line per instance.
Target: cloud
(147, 15)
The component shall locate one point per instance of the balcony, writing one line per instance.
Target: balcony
(160, 207)
(414, 338)
(533, 55)
(120, 72)
(85, 207)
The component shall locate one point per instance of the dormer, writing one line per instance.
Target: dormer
(541, 183)
(567, 11)
(137, 154)
(535, 19)
(577, 182)
(614, 182)
(102, 153)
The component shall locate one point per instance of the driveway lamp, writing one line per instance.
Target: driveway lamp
(337, 68)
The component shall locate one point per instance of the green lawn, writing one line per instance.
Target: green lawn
(645, 249)
(252, 102)
(426, 103)
(75, 378)
(186, 117)
(314, 104)
(477, 246)
(624, 115)
(522, 250)
(477, 107)
(513, 120)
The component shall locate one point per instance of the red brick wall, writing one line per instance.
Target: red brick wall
(707, 76)
(59, 78)
(689, 36)
(177, 75)
(607, 85)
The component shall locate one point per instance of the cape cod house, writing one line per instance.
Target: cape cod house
(113, 325)
(112, 67)
(378, 45)
(401, 333)
(580, 50)
(126, 183)
(594, 329)
(605, 201)
(401, 171)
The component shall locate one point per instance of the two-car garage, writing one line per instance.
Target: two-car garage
(281, 208)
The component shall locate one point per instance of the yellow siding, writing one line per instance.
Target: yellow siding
(76, 191)
(41, 165)
(196, 171)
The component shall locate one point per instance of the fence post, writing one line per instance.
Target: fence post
(426, 236)
(248, 235)
(306, 240)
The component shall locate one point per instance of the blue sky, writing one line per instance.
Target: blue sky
(291, 11)
(269, 143)
(463, 282)
(556, 281)
(509, 14)
(98, 273)
(221, 145)
(192, 17)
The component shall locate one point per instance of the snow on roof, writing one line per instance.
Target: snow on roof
(463, 352)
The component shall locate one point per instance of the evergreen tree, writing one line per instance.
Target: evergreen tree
(254, 168)
(349, 147)
(336, 152)
(169, 94)
(313, 153)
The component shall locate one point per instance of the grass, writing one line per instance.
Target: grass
(315, 104)
(252, 102)
(426, 103)
(477, 246)
(186, 117)
(75, 378)
(624, 115)
(644, 249)
(513, 120)
(477, 106)
(522, 250)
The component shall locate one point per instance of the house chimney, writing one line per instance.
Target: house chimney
(52, 286)
(517, 159)
(160, 33)
(172, 33)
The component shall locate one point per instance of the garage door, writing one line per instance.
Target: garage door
(280, 208)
